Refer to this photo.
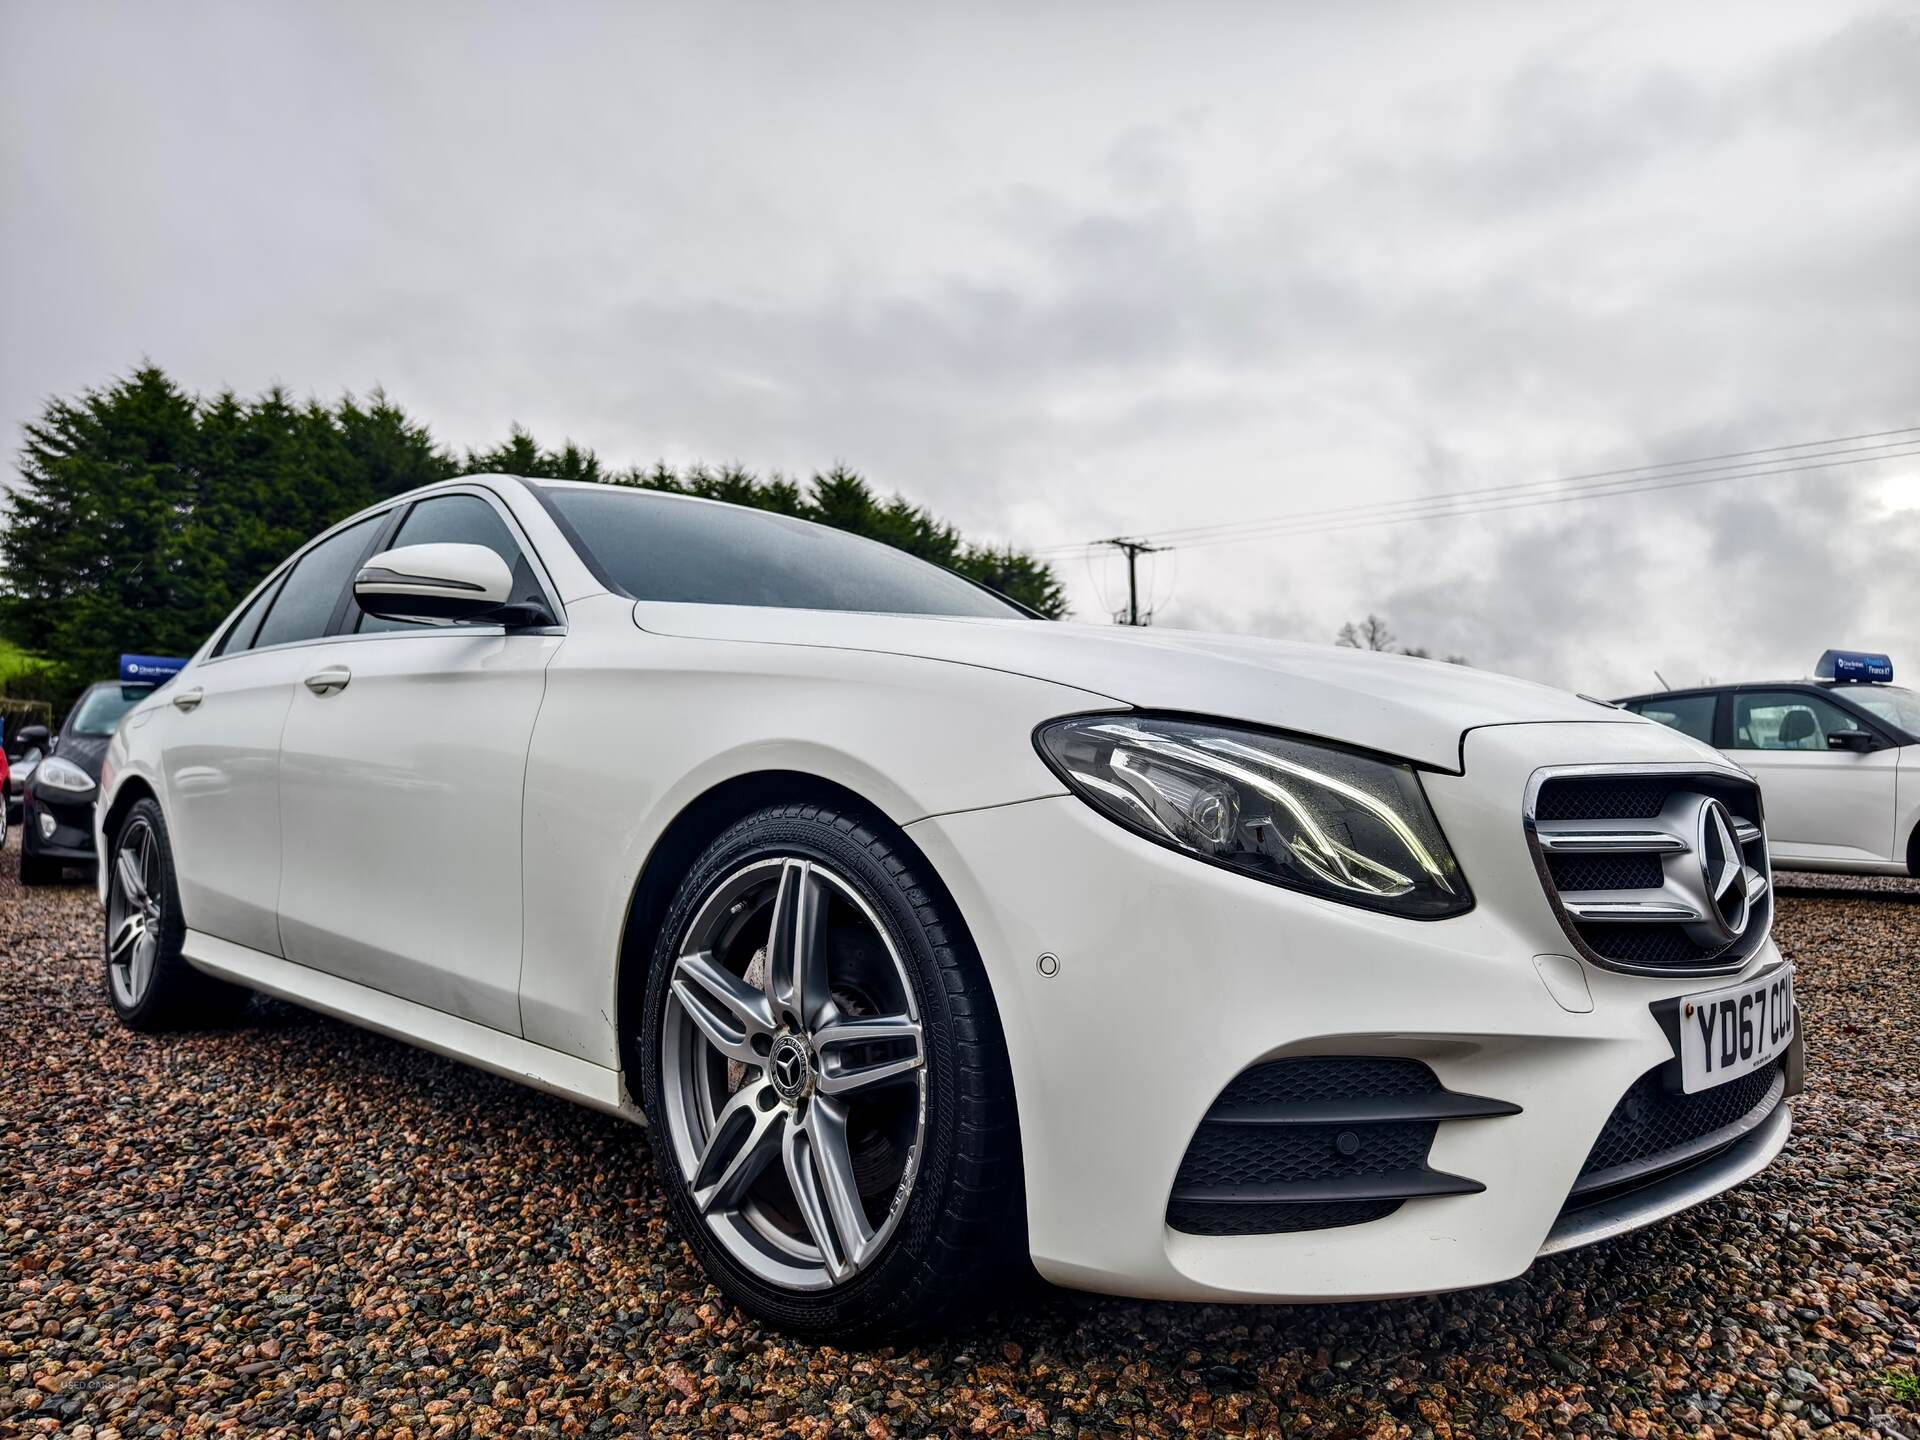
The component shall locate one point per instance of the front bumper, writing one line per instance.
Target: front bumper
(72, 837)
(1171, 978)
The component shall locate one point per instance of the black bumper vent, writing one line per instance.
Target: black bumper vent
(1318, 1142)
(1654, 1131)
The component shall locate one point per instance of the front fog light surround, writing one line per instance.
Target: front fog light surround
(47, 825)
(1299, 813)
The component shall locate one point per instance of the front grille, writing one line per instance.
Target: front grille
(1316, 1142)
(1594, 797)
(1606, 872)
(1620, 854)
(1654, 1129)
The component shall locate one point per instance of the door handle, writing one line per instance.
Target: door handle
(188, 699)
(325, 682)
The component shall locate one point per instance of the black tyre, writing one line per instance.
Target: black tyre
(149, 983)
(823, 1068)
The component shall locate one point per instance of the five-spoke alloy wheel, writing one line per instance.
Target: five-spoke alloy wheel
(803, 1030)
(135, 913)
(795, 1082)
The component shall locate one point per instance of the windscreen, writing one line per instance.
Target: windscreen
(100, 709)
(1896, 706)
(664, 547)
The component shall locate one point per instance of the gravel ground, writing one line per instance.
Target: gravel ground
(295, 1226)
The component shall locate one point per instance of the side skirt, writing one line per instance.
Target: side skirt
(567, 1076)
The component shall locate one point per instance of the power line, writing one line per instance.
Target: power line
(1597, 485)
(1525, 502)
(1567, 485)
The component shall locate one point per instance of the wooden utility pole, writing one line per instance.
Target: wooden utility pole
(1133, 550)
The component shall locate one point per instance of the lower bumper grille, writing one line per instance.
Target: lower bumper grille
(1654, 1130)
(1318, 1142)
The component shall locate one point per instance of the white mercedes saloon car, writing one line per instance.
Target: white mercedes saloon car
(930, 937)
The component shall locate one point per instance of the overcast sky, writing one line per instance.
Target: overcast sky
(1060, 272)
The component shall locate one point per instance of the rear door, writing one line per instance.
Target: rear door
(1823, 804)
(219, 742)
(402, 768)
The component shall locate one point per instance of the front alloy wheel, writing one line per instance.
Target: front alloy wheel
(794, 1079)
(823, 1068)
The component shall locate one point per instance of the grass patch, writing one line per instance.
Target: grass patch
(1904, 1384)
(13, 661)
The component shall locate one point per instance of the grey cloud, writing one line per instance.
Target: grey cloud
(1198, 272)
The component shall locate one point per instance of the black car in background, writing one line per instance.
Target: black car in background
(56, 820)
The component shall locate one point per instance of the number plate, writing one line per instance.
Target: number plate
(1725, 1034)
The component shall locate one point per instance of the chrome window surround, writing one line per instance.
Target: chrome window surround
(1674, 844)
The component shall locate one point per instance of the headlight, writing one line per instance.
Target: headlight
(1298, 813)
(58, 774)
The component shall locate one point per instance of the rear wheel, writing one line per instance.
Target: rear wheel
(149, 982)
(823, 1068)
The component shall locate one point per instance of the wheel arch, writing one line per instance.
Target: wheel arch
(698, 824)
(130, 793)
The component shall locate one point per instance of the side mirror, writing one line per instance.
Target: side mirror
(1849, 740)
(433, 584)
(29, 737)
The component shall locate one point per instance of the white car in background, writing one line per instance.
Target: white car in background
(1837, 757)
(930, 936)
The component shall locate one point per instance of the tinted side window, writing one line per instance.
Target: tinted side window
(458, 520)
(663, 547)
(246, 629)
(1786, 720)
(1689, 714)
(308, 594)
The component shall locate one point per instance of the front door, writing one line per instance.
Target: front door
(1822, 804)
(401, 774)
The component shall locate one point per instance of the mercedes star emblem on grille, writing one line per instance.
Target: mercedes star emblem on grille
(1723, 868)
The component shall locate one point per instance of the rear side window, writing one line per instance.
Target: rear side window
(307, 596)
(1689, 714)
(459, 520)
(246, 629)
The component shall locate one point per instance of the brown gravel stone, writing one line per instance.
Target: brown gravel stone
(297, 1227)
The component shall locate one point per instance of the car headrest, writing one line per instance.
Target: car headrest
(1796, 726)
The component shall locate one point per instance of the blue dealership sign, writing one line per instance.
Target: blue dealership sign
(149, 669)
(1853, 665)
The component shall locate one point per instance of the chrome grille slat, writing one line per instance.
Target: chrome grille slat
(1654, 829)
(1625, 905)
(1570, 837)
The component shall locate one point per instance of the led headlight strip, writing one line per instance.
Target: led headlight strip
(1295, 812)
